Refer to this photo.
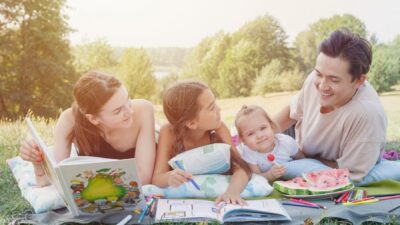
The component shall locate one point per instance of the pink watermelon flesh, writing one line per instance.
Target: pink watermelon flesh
(320, 182)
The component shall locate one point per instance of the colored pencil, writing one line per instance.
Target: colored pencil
(144, 211)
(307, 203)
(389, 197)
(191, 180)
(338, 200)
(361, 202)
(300, 205)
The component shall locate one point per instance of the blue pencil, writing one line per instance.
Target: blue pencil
(191, 180)
(144, 211)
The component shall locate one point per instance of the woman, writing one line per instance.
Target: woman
(102, 122)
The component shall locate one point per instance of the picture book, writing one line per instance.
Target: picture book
(178, 210)
(90, 185)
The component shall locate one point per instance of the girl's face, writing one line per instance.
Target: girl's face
(117, 112)
(209, 116)
(257, 133)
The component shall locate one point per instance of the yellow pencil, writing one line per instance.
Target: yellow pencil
(361, 202)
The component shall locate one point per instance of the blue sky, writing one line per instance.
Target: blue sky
(184, 23)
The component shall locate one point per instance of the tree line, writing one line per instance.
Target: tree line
(39, 66)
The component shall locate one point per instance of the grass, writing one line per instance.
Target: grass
(12, 133)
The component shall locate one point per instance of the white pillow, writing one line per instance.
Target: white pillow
(208, 159)
(42, 199)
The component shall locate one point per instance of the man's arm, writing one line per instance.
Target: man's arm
(283, 120)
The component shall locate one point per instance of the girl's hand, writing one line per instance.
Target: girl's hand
(30, 151)
(277, 171)
(177, 177)
(230, 198)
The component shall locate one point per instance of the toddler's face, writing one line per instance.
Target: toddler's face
(257, 133)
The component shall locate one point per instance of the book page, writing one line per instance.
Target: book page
(256, 208)
(102, 187)
(182, 209)
(49, 163)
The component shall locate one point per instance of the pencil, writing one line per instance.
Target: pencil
(307, 203)
(191, 180)
(338, 200)
(300, 205)
(144, 211)
(361, 202)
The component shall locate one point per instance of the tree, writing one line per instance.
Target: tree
(385, 69)
(268, 39)
(136, 71)
(269, 79)
(97, 55)
(307, 42)
(38, 70)
(237, 72)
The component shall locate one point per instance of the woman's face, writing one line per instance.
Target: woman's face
(117, 112)
(209, 116)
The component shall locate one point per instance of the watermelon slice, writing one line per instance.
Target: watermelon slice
(315, 183)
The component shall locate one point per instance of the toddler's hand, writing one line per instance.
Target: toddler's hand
(230, 198)
(277, 171)
(30, 151)
(177, 177)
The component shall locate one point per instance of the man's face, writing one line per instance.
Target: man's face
(334, 83)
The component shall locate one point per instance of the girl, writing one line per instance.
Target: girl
(102, 122)
(194, 121)
(258, 139)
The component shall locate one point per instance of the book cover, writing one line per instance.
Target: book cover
(91, 185)
(178, 210)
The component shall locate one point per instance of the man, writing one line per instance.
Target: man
(339, 119)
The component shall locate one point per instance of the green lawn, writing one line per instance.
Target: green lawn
(12, 133)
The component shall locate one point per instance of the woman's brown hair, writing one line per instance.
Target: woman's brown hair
(91, 92)
(180, 104)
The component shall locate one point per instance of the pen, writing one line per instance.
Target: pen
(300, 205)
(145, 208)
(191, 180)
(125, 220)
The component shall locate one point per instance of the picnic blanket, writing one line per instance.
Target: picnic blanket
(356, 214)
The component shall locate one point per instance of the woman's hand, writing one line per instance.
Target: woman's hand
(230, 198)
(30, 151)
(177, 177)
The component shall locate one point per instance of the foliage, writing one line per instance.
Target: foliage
(307, 42)
(137, 73)
(385, 68)
(36, 72)
(274, 78)
(164, 83)
(230, 63)
(237, 72)
(269, 79)
(97, 55)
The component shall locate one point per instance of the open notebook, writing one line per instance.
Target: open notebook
(177, 210)
(91, 185)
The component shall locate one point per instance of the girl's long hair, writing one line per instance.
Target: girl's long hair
(180, 104)
(91, 92)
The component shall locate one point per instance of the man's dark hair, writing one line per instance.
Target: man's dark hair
(351, 47)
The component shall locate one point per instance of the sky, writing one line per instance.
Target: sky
(184, 23)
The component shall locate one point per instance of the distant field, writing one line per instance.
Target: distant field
(11, 134)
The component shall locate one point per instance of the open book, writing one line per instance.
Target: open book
(175, 210)
(91, 185)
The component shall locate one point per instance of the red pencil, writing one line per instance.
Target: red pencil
(338, 200)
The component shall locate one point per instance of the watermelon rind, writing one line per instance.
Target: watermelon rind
(316, 191)
(284, 188)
